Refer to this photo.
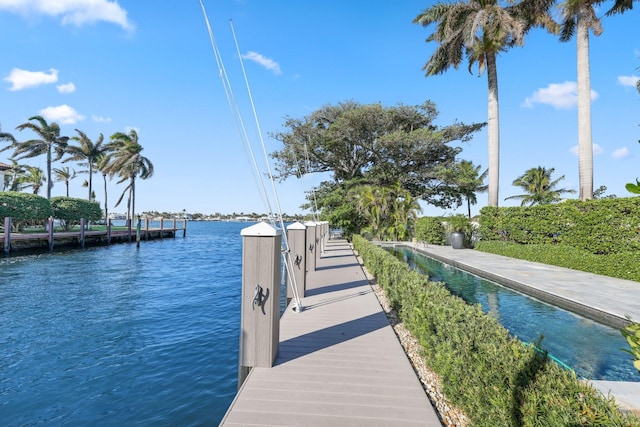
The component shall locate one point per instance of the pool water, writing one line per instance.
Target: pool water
(592, 350)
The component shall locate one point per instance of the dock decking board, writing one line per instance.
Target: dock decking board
(339, 361)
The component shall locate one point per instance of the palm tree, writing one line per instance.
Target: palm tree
(65, 174)
(12, 181)
(481, 29)
(579, 17)
(466, 179)
(86, 153)
(538, 187)
(32, 177)
(103, 166)
(50, 141)
(128, 162)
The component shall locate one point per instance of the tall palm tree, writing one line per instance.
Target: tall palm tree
(128, 162)
(538, 187)
(579, 17)
(50, 141)
(86, 153)
(481, 29)
(65, 174)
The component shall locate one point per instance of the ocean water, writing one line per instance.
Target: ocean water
(123, 336)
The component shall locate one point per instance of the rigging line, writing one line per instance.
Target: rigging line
(237, 116)
(285, 241)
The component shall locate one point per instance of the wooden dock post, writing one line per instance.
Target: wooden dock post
(184, 230)
(108, 231)
(311, 245)
(129, 230)
(297, 238)
(50, 228)
(161, 228)
(82, 224)
(146, 228)
(260, 309)
(7, 235)
(319, 247)
(138, 226)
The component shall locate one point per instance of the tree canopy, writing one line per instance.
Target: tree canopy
(378, 145)
(394, 153)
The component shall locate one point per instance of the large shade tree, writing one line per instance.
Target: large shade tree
(538, 187)
(480, 30)
(579, 18)
(86, 154)
(371, 145)
(129, 164)
(50, 143)
(375, 144)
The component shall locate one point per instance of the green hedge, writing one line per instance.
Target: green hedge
(494, 378)
(24, 208)
(605, 226)
(70, 211)
(429, 229)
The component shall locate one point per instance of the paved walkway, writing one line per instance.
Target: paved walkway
(339, 362)
(601, 298)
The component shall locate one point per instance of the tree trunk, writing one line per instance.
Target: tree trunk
(493, 130)
(49, 182)
(585, 146)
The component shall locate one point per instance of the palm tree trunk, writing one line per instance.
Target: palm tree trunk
(133, 198)
(90, 179)
(493, 130)
(585, 146)
(106, 211)
(49, 182)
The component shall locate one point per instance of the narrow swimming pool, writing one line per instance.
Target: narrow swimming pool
(592, 350)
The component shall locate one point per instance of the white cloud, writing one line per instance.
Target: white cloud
(558, 95)
(597, 150)
(621, 153)
(66, 88)
(99, 119)
(267, 63)
(22, 79)
(74, 12)
(62, 114)
(630, 81)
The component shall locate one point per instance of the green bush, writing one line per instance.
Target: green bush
(429, 229)
(494, 378)
(24, 209)
(605, 226)
(70, 211)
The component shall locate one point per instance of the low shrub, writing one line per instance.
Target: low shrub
(494, 378)
(429, 229)
(70, 211)
(24, 209)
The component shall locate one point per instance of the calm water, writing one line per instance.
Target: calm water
(123, 336)
(591, 349)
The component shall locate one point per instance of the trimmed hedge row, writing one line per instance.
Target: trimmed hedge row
(494, 378)
(25, 208)
(604, 226)
(70, 211)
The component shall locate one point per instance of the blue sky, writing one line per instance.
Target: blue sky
(102, 67)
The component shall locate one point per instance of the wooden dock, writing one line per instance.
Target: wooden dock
(339, 361)
(47, 240)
